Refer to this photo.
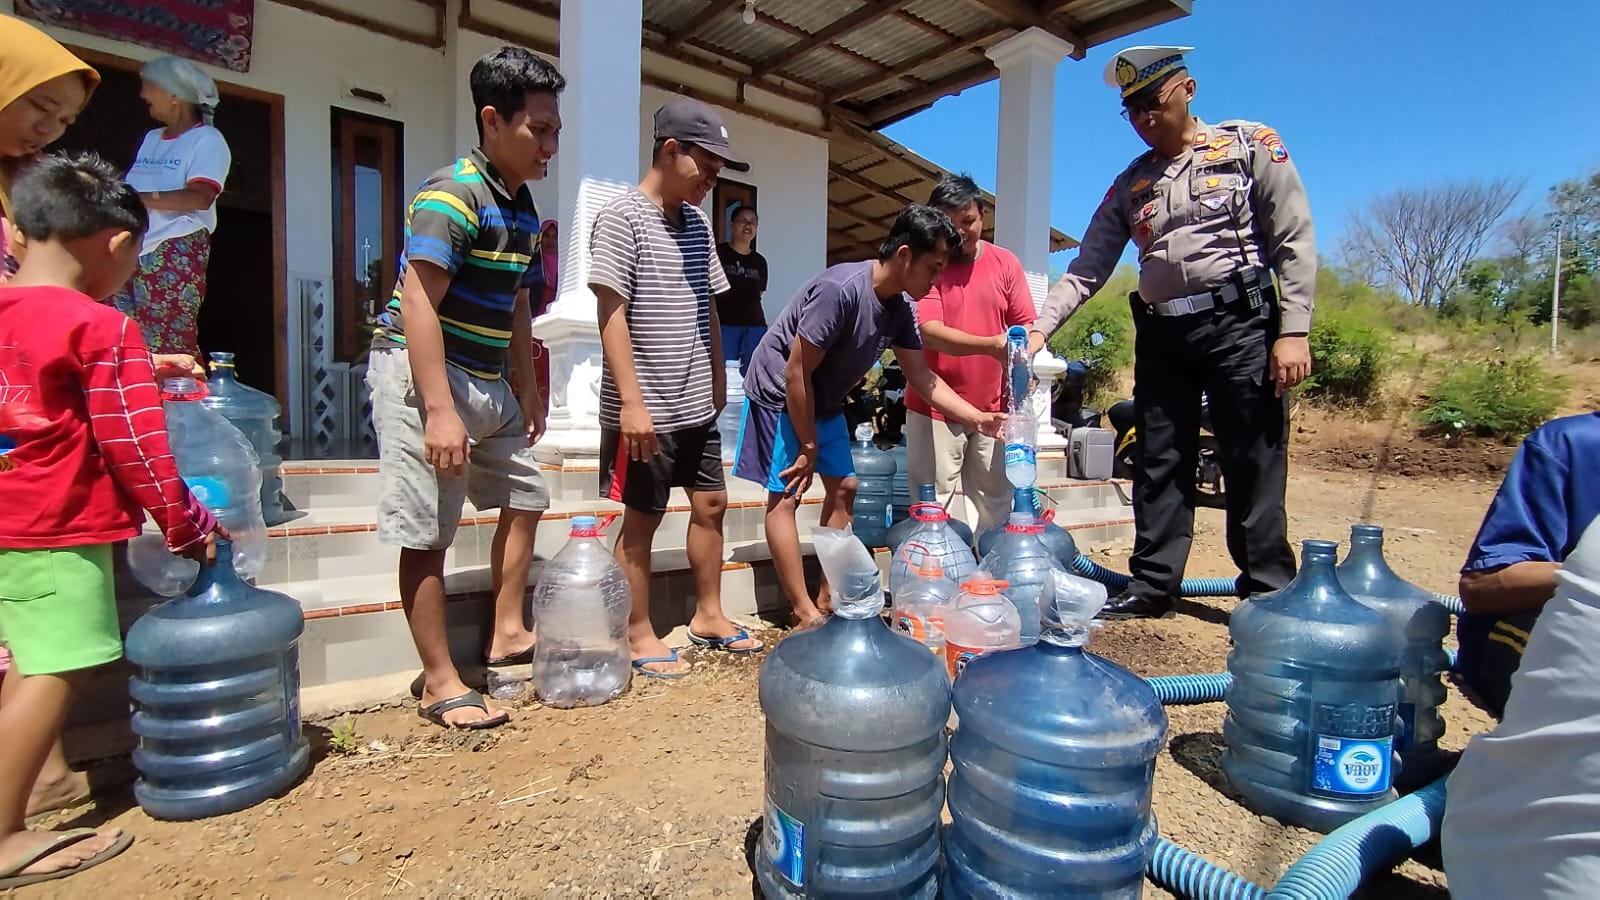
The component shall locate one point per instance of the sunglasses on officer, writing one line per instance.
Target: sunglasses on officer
(1150, 102)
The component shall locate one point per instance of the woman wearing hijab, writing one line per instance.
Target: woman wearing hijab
(43, 87)
(179, 171)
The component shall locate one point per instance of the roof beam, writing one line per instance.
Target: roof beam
(698, 21)
(921, 59)
(885, 190)
(859, 217)
(869, 13)
(1138, 18)
(954, 83)
(1028, 15)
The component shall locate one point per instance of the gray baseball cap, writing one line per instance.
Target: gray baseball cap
(688, 120)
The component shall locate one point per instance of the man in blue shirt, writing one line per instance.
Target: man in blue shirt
(1535, 520)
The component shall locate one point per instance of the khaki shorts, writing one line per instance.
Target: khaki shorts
(419, 507)
(58, 612)
(945, 454)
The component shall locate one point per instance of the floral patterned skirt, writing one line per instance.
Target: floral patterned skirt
(164, 296)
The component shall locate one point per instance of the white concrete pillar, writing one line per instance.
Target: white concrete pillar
(599, 158)
(1027, 64)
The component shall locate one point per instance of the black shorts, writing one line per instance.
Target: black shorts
(690, 458)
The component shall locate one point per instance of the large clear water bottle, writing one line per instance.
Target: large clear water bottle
(982, 621)
(1058, 539)
(855, 747)
(255, 413)
(1021, 558)
(731, 419)
(901, 532)
(902, 482)
(1413, 613)
(216, 696)
(1052, 765)
(1315, 701)
(921, 605)
(875, 472)
(580, 609)
(936, 536)
(221, 468)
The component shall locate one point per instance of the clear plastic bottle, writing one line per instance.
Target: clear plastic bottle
(875, 473)
(1022, 441)
(1052, 765)
(983, 621)
(255, 413)
(1414, 613)
(580, 612)
(221, 468)
(940, 540)
(1022, 560)
(901, 532)
(1314, 705)
(731, 420)
(855, 748)
(216, 696)
(923, 601)
(1019, 369)
(1058, 539)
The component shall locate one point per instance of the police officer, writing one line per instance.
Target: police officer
(1216, 211)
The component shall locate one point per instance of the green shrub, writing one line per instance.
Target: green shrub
(1110, 316)
(1493, 397)
(1349, 355)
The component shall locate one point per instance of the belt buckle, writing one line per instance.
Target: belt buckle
(1181, 306)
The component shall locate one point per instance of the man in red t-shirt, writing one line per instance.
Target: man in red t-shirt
(964, 320)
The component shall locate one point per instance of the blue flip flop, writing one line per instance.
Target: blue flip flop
(725, 644)
(640, 663)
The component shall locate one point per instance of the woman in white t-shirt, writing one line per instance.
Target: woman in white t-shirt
(179, 171)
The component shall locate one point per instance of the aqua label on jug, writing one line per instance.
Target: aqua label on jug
(211, 492)
(784, 837)
(1020, 455)
(1354, 751)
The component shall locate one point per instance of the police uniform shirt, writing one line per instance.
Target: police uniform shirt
(1231, 200)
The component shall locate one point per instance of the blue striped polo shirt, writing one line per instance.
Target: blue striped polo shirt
(465, 220)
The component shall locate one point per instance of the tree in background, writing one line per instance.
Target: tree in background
(1418, 241)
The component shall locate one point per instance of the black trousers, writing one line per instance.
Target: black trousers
(1223, 353)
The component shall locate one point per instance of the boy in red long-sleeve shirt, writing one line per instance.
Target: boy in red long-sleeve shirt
(79, 404)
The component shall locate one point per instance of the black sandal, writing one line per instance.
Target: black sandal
(435, 712)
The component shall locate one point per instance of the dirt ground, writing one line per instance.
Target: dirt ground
(657, 794)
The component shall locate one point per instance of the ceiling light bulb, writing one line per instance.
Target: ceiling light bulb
(749, 14)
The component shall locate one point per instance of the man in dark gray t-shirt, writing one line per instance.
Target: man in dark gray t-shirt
(821, 345)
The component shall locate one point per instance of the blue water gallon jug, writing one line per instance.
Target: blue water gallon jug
(1413, 613)
(1058, 539)
(255, 413)
(216, 696)
(580, 607)
(1052, 764)
(875, 474)
(1022, 560)
(1315, 700)
(902, 482)
(855, 747)
(926, 493)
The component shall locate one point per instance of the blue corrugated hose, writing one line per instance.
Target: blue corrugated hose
(1193, 876)
(1178, 690)
(1203, 587)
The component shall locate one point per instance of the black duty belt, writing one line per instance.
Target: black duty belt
(1245, 287)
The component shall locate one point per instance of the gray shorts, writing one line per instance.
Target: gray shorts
(419, 507)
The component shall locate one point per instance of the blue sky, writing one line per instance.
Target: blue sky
(1369, 96)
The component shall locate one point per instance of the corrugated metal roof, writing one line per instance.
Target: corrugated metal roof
(957, 17)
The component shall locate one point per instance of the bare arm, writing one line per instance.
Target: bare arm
(804, 357)
(617, 344)
(719, 370)
(921, 379)
(522, 345)
(420, 295)
(1518, 588)
(942, 338)
(194, 196)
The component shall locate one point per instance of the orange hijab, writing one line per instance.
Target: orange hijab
(29, 58)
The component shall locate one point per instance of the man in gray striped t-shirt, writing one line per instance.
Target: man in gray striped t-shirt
(654, 273)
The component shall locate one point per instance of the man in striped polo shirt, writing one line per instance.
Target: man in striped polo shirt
(654, 275)
(449, 427)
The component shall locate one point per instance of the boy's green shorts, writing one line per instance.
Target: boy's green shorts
(58, 609)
